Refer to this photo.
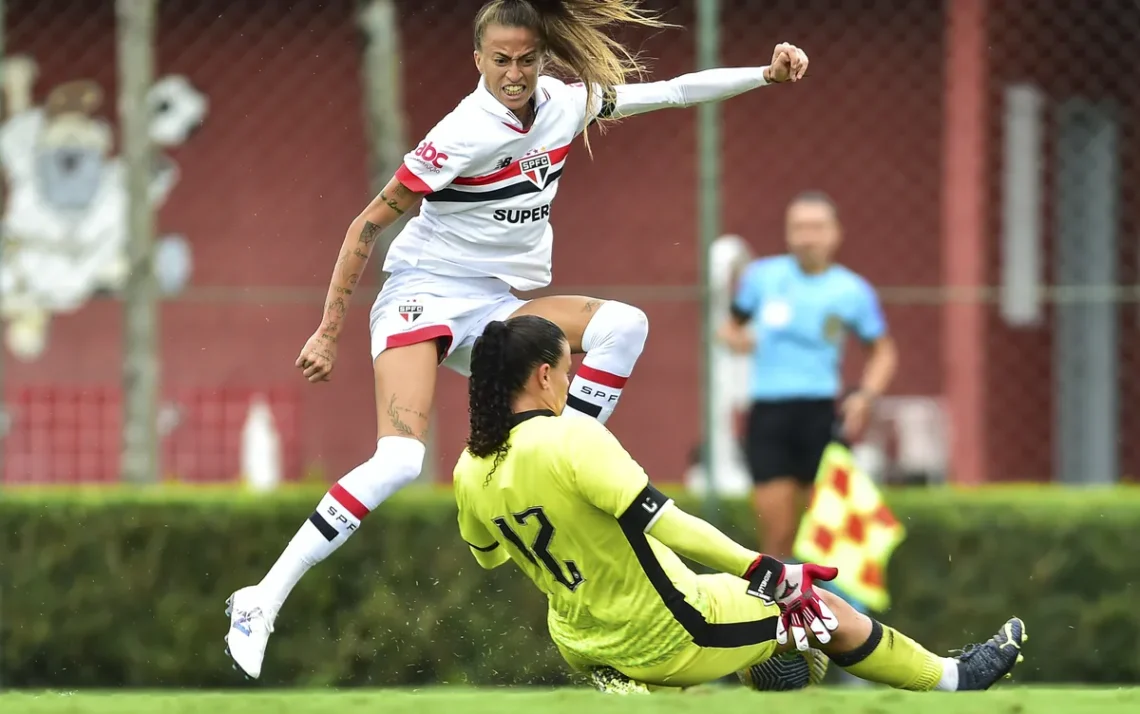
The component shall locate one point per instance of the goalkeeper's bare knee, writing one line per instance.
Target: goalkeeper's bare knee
(853, 631)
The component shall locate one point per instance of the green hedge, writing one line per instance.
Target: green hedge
(117, 589)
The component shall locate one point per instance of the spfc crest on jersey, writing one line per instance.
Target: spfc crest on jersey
(536, 169)
(411, 311)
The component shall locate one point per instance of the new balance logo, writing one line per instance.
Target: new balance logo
(241, 627)
(503, 163)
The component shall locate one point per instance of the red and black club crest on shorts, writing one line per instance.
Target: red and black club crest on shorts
(411, 311)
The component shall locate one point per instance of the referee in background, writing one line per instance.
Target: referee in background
(793, 312)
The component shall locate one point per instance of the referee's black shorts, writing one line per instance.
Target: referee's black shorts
(787, 438)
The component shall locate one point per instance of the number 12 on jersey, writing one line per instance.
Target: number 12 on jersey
(570, 578)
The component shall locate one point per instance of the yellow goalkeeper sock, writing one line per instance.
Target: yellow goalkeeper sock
(890, 657)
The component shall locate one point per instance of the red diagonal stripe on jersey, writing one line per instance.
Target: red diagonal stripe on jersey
(349, 501)
(596, 375)
(511, 171)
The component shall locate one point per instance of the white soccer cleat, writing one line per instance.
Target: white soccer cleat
(251, 623)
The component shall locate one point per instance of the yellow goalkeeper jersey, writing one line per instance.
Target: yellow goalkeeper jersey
(573, 510)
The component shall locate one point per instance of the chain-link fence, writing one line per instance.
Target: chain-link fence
(1064, 218)
(983, 157)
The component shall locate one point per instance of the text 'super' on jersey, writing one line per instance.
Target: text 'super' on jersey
(490, 185)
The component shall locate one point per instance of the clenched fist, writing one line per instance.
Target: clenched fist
(789, 63)
(318, 357)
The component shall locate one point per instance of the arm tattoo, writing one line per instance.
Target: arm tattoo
(335, 311)
(340, 292)
(370, 233)
(390, 203)
(592, 305)
(351, 278)
(400, 425)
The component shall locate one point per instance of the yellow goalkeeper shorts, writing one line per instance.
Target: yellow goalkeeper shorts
(693, 665)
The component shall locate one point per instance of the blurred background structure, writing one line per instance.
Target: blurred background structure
(984, 155)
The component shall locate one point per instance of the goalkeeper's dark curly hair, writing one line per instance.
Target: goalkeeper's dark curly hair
(502, 359)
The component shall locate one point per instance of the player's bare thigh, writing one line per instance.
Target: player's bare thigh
(570, 312)
(405, 387)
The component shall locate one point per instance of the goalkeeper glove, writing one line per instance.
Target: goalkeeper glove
(790, 588)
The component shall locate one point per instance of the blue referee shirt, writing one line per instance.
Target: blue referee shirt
(801, 322)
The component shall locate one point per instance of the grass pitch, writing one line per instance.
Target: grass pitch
(449, 700)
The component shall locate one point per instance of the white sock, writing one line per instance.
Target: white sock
(613, 340)
(948, 682)
(329, 526)
(397, 462)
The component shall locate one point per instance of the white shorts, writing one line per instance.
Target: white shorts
(415, 306)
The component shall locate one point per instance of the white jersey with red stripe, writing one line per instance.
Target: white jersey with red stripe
(489, 188)
(490, 183)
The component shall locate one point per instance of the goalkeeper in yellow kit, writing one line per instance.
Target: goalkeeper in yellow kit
(561, 498)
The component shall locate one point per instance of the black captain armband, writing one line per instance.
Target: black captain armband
(645, 510)
(609, 104)
(739, 314)
(486, 549)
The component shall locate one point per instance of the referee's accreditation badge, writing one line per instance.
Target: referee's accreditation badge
(833, 328)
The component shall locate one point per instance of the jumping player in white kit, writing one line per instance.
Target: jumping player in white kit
(487, 174)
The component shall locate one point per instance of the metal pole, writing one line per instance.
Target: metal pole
(708, 202)
(136, 38)
(383, 93)
(387, 134)
(4, 423)
(3, 390)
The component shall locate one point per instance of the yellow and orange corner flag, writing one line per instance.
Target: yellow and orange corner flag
(849, 526)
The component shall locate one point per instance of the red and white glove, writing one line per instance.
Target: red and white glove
(790, 588)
